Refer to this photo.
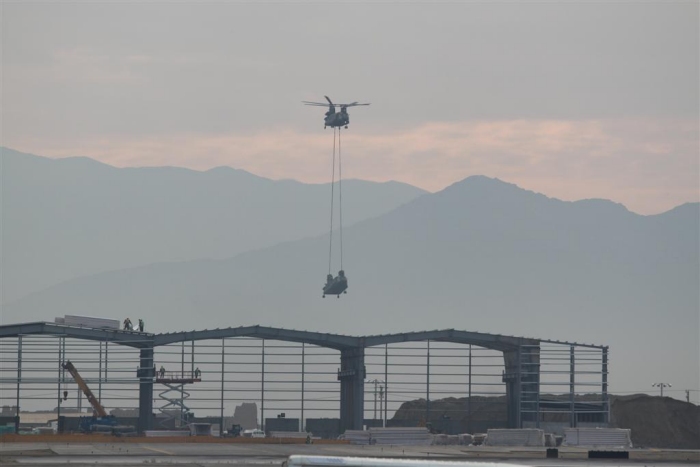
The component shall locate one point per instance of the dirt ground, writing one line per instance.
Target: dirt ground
(655, 422)
(659, 422)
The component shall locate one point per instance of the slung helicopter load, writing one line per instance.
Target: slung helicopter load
(336, 285)
(335, 119)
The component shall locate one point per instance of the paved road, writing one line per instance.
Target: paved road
(257, 455)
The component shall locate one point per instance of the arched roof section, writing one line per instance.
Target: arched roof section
(489, 341)
(333, 341)
(128, 338)
(322, 339)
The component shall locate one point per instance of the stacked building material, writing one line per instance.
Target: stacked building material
(357, 436)
(598, 437)
(465, 439)
(550, 440)
(418, 436)
(515, 437)
(445, 440)
(88, 322)
(291, 434)
(165, 433)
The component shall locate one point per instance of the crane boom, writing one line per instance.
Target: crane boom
(101, 412)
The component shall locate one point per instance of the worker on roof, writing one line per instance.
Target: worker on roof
(140, 325)
(127, 325)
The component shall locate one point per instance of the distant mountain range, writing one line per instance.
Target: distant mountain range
(65, 218)
(481, 255)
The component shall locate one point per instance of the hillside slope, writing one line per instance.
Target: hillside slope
(656, 422)
(481, 255)
(65, 218)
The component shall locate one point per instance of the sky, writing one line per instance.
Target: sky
(572, 99)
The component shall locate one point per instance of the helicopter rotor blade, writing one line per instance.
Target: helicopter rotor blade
(321, 104)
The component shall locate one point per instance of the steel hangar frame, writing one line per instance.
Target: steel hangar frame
(523, 358)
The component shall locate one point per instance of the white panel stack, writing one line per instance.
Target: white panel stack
(465, 439)
(88, 322)
(165, 433)
(515, 437)
(446, 440)
(200, 429)
(290, 434)
(401, 436)
(603, 437)
(357, 436)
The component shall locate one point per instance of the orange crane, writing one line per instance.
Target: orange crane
(101, 415)
(99, 410)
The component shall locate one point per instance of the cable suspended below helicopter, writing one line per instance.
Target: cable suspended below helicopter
(339, 284)
(334, 119)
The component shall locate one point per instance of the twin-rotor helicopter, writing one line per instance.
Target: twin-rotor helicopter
(335, 119)
(335, 285)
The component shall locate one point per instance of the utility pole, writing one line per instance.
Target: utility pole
(381, 403)
(687, 395)
(377, 382)
(374, 417)
(661, 386)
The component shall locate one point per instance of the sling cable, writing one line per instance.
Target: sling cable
(339, 284)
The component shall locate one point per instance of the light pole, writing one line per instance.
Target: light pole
(376, 382)
(381, 405)
(661, 386)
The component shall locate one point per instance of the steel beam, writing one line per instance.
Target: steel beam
(352, 375)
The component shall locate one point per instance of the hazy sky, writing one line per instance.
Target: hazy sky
(572, 99)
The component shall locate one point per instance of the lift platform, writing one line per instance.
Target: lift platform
(175, 394)
(177, 377)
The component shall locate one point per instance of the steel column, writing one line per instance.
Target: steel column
(302, 386)
(60, 369)
(606, 402)
(221, 425)
(19, 380)
(572, 386)
(145, 373)
(386, 383)
(427, 385)
(352, 375)
(518, 386)
(99, 377)
(182, 373)
(469, 392)
(262, 390)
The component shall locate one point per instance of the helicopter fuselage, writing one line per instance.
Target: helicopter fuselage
(336, 119)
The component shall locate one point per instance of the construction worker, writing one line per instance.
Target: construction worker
(127, 325)
(162, 372)
(197, 373)
(140, 325)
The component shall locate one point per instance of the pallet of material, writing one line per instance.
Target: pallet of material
(594, 437)
(418, 436)
(290, 434)
(515, 437)
(88, 322)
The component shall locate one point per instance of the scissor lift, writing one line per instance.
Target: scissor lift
(175, 394)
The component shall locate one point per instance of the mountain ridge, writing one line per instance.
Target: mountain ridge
(66, 218)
